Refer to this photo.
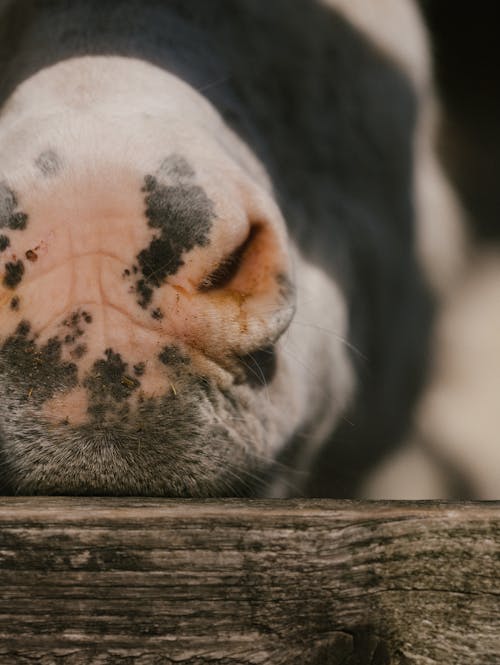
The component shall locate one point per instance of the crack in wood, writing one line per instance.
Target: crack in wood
(106, 581)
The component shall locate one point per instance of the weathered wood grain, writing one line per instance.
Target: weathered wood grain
(280, 582)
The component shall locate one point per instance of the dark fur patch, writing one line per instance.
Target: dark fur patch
(172, 356)
(9, 218)
(79, 351)
(48, 163)
(14, 272)
(4, 242)
(109, 384)
(14, 303)
(37, 371)
(183, 215)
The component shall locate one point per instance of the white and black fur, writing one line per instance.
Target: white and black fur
(343, 127)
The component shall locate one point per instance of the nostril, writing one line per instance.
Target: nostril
(234, 297)
(230, 265)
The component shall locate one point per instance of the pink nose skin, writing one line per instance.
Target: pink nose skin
(117, 294)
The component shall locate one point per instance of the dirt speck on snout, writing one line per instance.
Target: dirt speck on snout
(31, 255)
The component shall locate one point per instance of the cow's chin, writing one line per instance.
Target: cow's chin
(198, 443)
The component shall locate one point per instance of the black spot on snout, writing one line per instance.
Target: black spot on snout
(176, 166)
(259, 367)
(14, 303)
(73, 322)
(139, 369)
(172, 356)
(9, 217)
(48, 163)
(79, 351)
(37, 371)
(14, 272)
(109, 384)
(4, 242)
(182, 214)
(157, 314)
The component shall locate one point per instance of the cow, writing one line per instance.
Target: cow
(224, 237)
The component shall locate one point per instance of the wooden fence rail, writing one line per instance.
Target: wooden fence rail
(301, 582)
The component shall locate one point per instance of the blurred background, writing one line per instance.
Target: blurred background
(466, 52)
(454, 451)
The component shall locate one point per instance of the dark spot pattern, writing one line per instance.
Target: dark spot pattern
(9, 217)
(31, 255)
(145, 292)
(14, 303)
(182, 214)
(172, 356)
(109, 383)
(139, 369)
(4, 243)
(14, 272)
(48, 163)
(37, 371)
(79, 351)
(157, 314)
(73, 322)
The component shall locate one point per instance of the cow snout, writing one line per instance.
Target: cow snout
(144, 283)
(175, 268)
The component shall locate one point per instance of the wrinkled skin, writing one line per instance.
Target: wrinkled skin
(162, 331)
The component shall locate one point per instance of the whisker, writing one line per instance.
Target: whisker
(243, 477)
(281, 465)
(290, 354)
(259, 375)
(214, 84)
(333, 333)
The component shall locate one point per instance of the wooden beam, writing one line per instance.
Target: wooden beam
(306, 582)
